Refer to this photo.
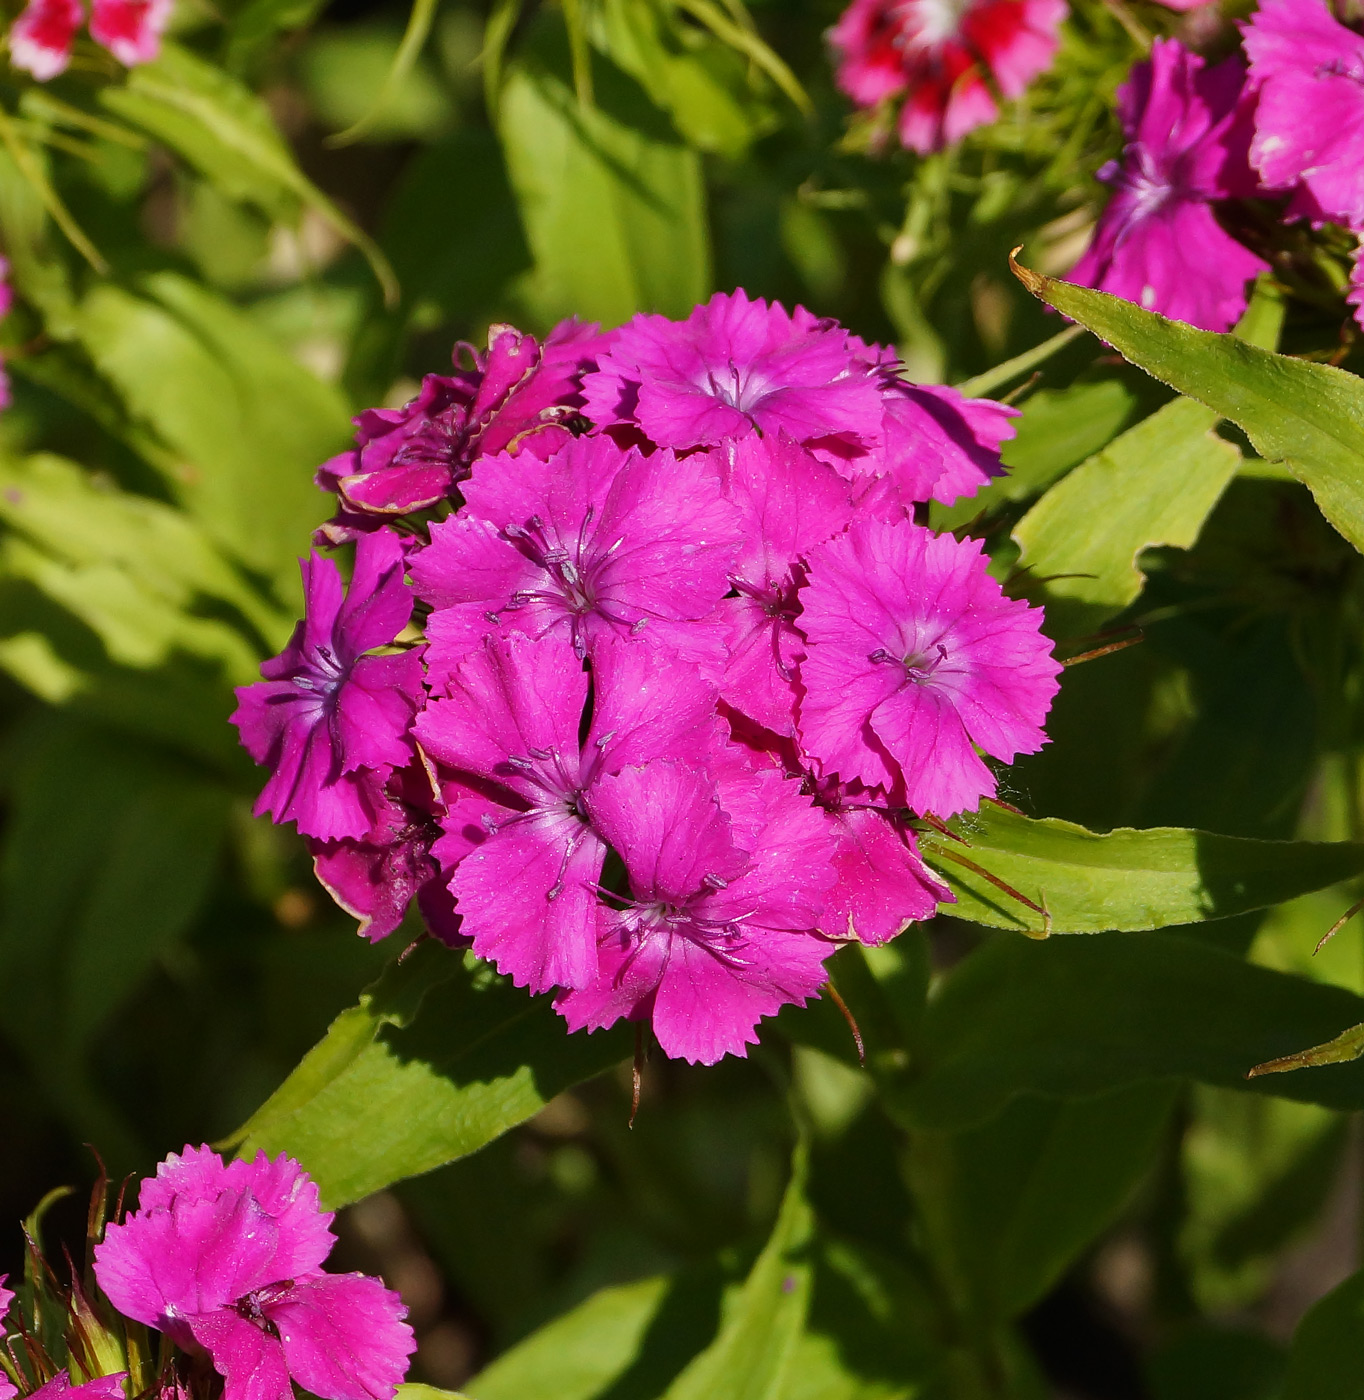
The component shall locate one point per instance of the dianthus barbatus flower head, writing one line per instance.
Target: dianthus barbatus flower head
(593, 542)
(226, 1259)
(718, 929)
(947, 58)
(1308, 71)
(327, 716)
(735, 366)
(916, 659)
(515, 397)
(1158, 242)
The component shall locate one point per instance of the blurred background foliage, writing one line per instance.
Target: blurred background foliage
(292, 215)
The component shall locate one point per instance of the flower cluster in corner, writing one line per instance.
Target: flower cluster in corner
(224, 1260)
(646, 664)
(41, 39)
(1283, 123)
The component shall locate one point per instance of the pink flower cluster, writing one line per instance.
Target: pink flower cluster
(225, 1260)
(40, 39)
(943, 60)
(687, 664)
(1288, 120)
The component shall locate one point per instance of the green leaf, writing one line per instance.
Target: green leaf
(389, 1093)
(1079, 1016)
(1347, 1046)
(413, 1390)
(226, 132)
(612, 202)
(1323, 1363)
(1308, 416)
(1154, 485)
(1126, 879)
(752, 1356)
(246, 424)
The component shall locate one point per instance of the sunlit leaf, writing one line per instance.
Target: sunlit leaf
(1308, 416)
(1154, 485)
(1124, 879)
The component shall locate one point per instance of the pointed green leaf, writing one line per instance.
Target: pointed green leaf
(1082, 882)
(439, 1058)
(1308, 416)
(1347, 1046)
(1073, 1017)
(751, 1357)
(1154, 485)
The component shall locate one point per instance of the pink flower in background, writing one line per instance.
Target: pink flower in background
(717, 931)
(1158, 242)
(376, 877)
(786, 501)
(518, 395)
(734, 366)
(327, 715)
(226, 1259)
(527, 860)
(130, 29)
(947, 57)
(1308, 70)
(915, 659)
(40, 39)
(594, 542)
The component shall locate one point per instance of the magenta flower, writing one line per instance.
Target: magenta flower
(786, 501)
(915, 659)
(130, 29)
(327, 716)
(947, 57)
(595, 541)
(375, 877)
(40, 39)
(1308, 70)
(527, 861)
(1158, 243)
(227, 1260)
(732, 367)
(713, 938)
(405, 459)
